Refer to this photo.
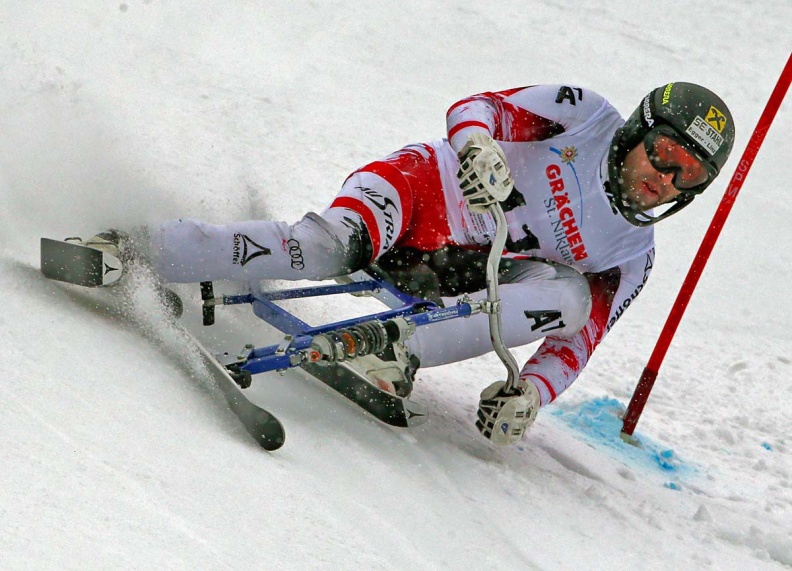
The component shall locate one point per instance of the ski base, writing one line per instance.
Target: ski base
(84, 266)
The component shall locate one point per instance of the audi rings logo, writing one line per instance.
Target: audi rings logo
(296, 255)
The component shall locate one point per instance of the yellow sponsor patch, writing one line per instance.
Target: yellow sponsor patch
(667, 93)
(716, 119)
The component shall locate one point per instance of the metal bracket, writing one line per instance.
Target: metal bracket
(491, 307)
(283, 345)
(207, 295)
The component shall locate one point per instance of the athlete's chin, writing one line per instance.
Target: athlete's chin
(640, 202)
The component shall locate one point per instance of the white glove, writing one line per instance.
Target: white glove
(483, 174)
(503, 418)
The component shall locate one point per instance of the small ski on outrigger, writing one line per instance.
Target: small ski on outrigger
(74, 263)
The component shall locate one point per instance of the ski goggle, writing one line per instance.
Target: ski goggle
(669, 154)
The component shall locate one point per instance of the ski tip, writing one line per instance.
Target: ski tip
(271, 444)
(268, 431)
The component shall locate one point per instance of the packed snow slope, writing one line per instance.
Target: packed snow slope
(115, 454)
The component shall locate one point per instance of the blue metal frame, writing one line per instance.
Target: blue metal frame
(417, 312)
(300, 334)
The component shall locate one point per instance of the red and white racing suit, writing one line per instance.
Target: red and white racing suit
(579, 264)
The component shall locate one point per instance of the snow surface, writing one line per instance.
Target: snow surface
(115, 454)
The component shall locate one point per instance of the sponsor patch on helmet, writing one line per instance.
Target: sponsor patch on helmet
(716, 119)
(705, 134)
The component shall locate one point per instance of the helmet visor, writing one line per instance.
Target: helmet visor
(670, 154)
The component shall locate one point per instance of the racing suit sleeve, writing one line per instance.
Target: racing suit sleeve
(522, 114)
(559, 360)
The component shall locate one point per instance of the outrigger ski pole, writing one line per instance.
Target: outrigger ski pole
(493, 306)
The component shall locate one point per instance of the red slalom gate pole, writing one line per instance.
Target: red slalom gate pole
(645, 384)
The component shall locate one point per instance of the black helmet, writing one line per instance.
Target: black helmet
(694, 117)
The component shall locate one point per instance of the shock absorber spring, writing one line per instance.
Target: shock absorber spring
(350, 342)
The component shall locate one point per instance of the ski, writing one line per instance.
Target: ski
(261, 424)
(386, 407)
(73, 263)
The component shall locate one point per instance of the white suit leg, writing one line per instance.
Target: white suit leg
(313, 248)
(539, 300)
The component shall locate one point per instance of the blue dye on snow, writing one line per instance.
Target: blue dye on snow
(599, 420)
(666, 460)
